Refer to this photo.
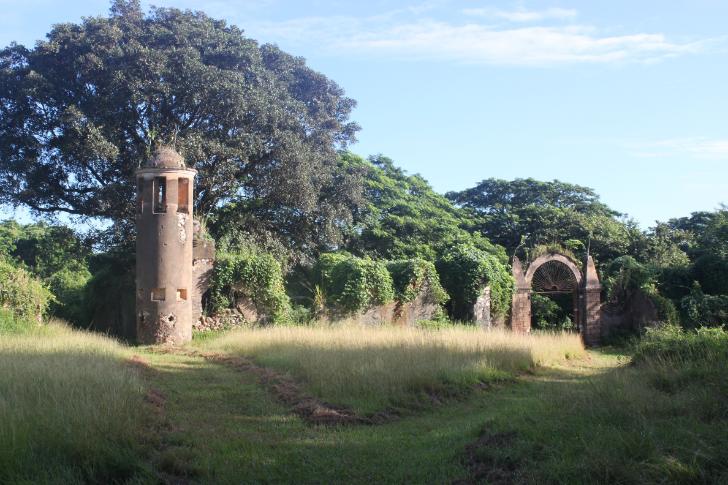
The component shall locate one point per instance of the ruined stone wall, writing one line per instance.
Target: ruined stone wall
(402, 313)
(521, 310)
(203, 262)
(521, 300)
(592, 331)
(637, 313)
(481, 310)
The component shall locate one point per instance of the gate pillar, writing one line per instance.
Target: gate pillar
(592, 305)
(521, 304)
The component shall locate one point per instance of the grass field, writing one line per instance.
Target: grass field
(369, 368)
(71, 407)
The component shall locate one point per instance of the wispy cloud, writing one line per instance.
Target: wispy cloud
(687, 147)
(474, 42)
(522, 14)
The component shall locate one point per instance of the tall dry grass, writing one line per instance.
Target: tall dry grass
(70, 409)
(371, 367)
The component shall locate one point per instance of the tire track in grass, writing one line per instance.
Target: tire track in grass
(309, 408)
(165, 471)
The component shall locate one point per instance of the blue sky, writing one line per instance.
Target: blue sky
(627, 97)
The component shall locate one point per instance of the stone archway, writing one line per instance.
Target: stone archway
(559, 274)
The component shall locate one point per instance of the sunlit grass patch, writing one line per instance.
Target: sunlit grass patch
(369, 368)
(661, 418)
(70, 409)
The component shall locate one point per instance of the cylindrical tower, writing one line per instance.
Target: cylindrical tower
(164, 250)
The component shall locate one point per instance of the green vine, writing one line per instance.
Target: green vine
(465, 270)
(20, 292)
(257, 276)
(412, 276)
(351, 284)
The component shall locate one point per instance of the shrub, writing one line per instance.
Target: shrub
(710, 270)
(625, 276)
(351, 284)
(411, 276)
(674, 344)
(552, 313)
(699, 309)
(20, 292)
(11, 323)
(666, 309)
(110, 294)
(250, 274)
(464, 272)
(69, 289)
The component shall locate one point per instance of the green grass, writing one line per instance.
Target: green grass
(371, 368)
(11, 323)
(663, 419)
(224, 428)
(70, 409)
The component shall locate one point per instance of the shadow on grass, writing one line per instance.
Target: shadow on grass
(613, 426)
(565, 425)
(583, 422)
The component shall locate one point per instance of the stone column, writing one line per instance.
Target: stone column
(164, 250)
(521, 303)
(592, 296)
(481, 310)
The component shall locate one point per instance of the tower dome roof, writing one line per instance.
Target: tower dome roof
(166, 157)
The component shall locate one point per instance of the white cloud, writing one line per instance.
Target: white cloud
(687, 147)
(522, 14)
(473, 42)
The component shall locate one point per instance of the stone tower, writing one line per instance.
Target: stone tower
(164, 250)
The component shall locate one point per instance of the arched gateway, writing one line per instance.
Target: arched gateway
(556, 273)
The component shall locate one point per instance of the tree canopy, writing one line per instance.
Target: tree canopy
(82, 109)
(529, 212)
(403, 217)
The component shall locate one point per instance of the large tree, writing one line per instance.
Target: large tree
(403, 217)
(528, 213)
(82, 109)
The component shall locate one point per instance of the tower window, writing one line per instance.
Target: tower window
(182, 294)
(183, 195)
(158, 294)
(160, 195)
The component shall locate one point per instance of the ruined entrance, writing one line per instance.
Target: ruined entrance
(557, 274)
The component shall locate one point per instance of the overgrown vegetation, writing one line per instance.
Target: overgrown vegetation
(624, 277)
(56, 256)
(659, 420)
(529, 212)
(411, 277)
(250, 275)
(21, 293)
(552, 312)
(465, 271)
(285, 201)
(350, 284)
(402, 217)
